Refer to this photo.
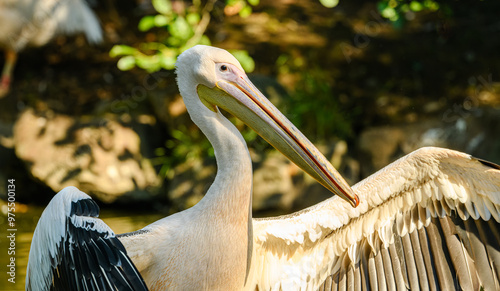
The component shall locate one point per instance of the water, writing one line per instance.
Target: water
(26, 219)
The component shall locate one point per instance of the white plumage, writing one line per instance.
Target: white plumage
(413, 227)
(422, 188)
(35, 22)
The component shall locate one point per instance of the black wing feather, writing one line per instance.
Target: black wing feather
(88, 255)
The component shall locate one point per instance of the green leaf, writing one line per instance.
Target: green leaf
(416, 6)
(193, 18)
(329, 3)
(180, 28)
(146, 23)
(249, 135)
(389, 13)
(170, 144)
(120, 50)
(160, 152)
(232, 2)
(382, 5)
(162, 6)
(245, 11)
(152, 46)
(168, 62)
(174, 41)
(148, 63)
(205, 40)
(177, 134)
(404, 8)
(431, 5)
(253, 2)
(245, 60)
(162, 20)
(126, 63)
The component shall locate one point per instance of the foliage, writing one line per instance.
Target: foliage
(398, 11)
(313, 98)
(184, 145)
(329, 3)
(240, 7)
(179, 29)
(183, 26)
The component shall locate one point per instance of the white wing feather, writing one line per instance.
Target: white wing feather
(299, 251)
(35, 22)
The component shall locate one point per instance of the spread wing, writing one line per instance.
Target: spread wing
(35, 22)
(69, 17)
(74, 250)
(427, 221)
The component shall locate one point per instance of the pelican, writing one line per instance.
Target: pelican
(36, 22)
(427, 221)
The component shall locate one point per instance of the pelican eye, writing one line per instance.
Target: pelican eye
(223, 68)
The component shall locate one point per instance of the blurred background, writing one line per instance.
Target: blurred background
(366, 81)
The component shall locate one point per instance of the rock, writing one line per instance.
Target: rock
(189, 182)
(12, 169)
(100, 157)
(281, 186)
(468, 133)
(378, 147)
(273, 187)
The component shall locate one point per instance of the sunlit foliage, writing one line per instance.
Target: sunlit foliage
(399, 11)
(183, 26)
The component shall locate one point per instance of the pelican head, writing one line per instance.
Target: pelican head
(216, 79)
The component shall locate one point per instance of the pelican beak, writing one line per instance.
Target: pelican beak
(242, 99)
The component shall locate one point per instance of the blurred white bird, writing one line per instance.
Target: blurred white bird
(36, 22)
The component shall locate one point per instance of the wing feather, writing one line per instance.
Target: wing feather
(428, 221)
(358, 284)
(342, 280)
(350, 279)
(372, 272)
(387, 270)
(466, 278)
(480, 256)
(419, 261)
(398, 275)
(74, 250)
(411, 266)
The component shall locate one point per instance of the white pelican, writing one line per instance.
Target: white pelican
(428, 221)
(36, 22)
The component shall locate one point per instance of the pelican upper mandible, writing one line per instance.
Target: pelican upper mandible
(429, 220)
